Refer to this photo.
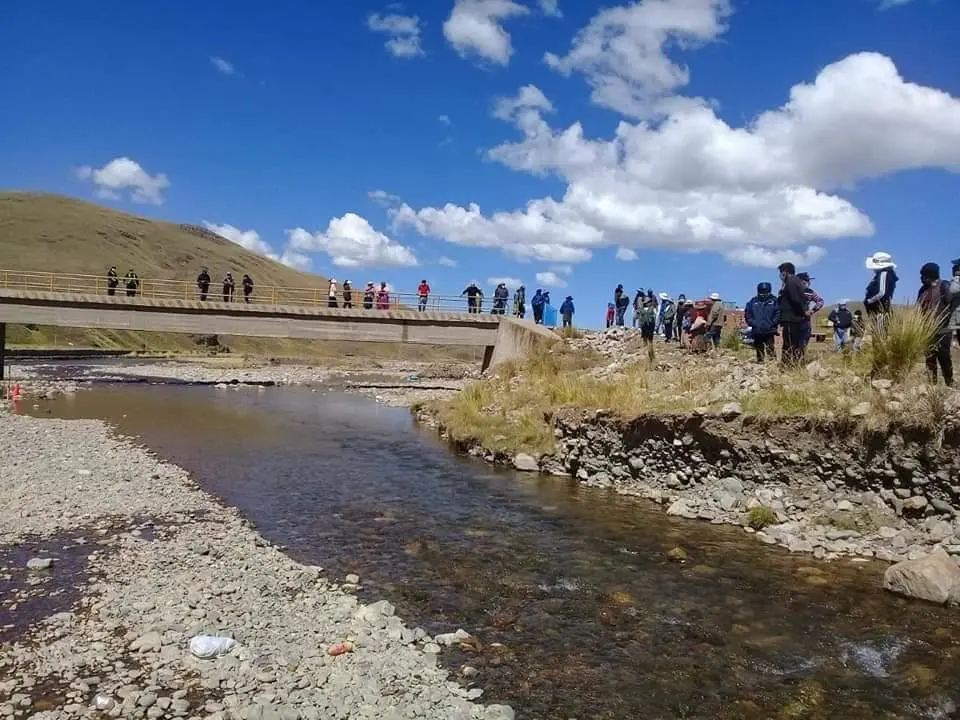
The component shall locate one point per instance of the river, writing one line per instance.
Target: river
(579, 609)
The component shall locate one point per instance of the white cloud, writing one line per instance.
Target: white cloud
(447, 262)
(562, 269)
(527, 103)
(508, 281)
(403, 32)
(350, 241)
(296, 260)
(249, 239)
(550, 8)
(224, 66)
(551, 279)
(444, 120)
(383, 198)
(474, 28)
(125, 174)
(754, 256)
(626, 254)
(691, 182)
(621, 52)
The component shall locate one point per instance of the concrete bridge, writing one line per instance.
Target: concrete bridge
(501, 337)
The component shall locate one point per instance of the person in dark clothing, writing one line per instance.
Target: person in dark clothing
(648, 319)
(621, 301)
(566, 312)
(347, 294)
(936, 298)
(228, 287)
(762, 315)
(520, 302)
(203, 283)
(681, 313)
(793, 313)
(368, 295)
(537, 302)
(474, 296)
(638, 300)
(668, 316)
(113, 280)
(247, 283)
(857, 330)
(132, 282)
(880, 290)
(955, 291)
(500, 298)
(842, 320)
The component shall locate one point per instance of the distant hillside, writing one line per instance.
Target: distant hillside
(60, 234)
(53, 233)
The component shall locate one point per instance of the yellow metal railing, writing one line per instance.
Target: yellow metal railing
(188, 290)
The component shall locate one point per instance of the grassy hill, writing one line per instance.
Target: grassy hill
(43, 232)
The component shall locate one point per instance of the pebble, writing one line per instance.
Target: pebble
(39, 563)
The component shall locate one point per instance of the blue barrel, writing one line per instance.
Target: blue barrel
(549, 316)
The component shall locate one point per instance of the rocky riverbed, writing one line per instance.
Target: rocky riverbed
(112, 561)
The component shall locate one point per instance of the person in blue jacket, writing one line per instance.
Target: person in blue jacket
(537, 303)
(566, 312)
(762, 315)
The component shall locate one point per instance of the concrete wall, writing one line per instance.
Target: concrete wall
(516, 338)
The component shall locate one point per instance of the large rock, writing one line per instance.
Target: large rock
(526, 463)
(935, 578)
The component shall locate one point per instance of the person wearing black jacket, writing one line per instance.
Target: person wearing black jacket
(879, 294)
(203, 283)
(132, 282)
(936, 298)
(793, 314)
(247, 287)
(113, 280)
(842, 321)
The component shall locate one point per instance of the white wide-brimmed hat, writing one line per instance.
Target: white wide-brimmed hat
(715, 296)
(664, 296)
(880, 261)
(842, 302)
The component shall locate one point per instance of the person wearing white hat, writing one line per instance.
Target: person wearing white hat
(879, 295)
(332, 293)
(668, 315)
(715, 319)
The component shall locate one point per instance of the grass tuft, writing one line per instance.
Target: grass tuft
(761, 517)
(903, 343)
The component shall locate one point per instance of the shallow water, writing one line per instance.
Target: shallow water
(573, 583)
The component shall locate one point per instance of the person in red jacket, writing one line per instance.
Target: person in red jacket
(423, 294)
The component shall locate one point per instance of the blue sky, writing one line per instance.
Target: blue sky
(709, 139)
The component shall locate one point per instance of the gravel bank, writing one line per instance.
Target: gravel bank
(161, 561)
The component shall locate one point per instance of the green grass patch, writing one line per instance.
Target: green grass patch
(761, 517)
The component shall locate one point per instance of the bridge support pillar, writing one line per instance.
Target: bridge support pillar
(3, 348)
(487, 358)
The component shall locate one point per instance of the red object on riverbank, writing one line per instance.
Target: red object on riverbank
(340, 648)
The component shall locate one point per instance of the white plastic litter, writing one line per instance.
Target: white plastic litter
(103, 703)
(210, 646)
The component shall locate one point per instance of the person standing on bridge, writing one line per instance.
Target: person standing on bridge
(423, 295)
(228, 287)
(332, 293)
(203, 283)
(247, 287)
(383, 297)
(520, 302)
(474, 296)
(500, 297)
(347, 294)
(113, 280)
(368, 296)
(133, 283)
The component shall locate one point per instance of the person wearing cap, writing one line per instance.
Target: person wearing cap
(935, 297)
(880, 289)
(668, 315)
(369, 293)
(621, 301)
(332, 293)
(715, 319)
(678, 318)
(793, 313)
(814, 305)
(955, 291)
(762, 315)
(347, 294)
(566, 312)
(842, 321)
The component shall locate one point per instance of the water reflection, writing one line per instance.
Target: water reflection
(579, 610)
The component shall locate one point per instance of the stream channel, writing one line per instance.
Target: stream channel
(574, 583)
